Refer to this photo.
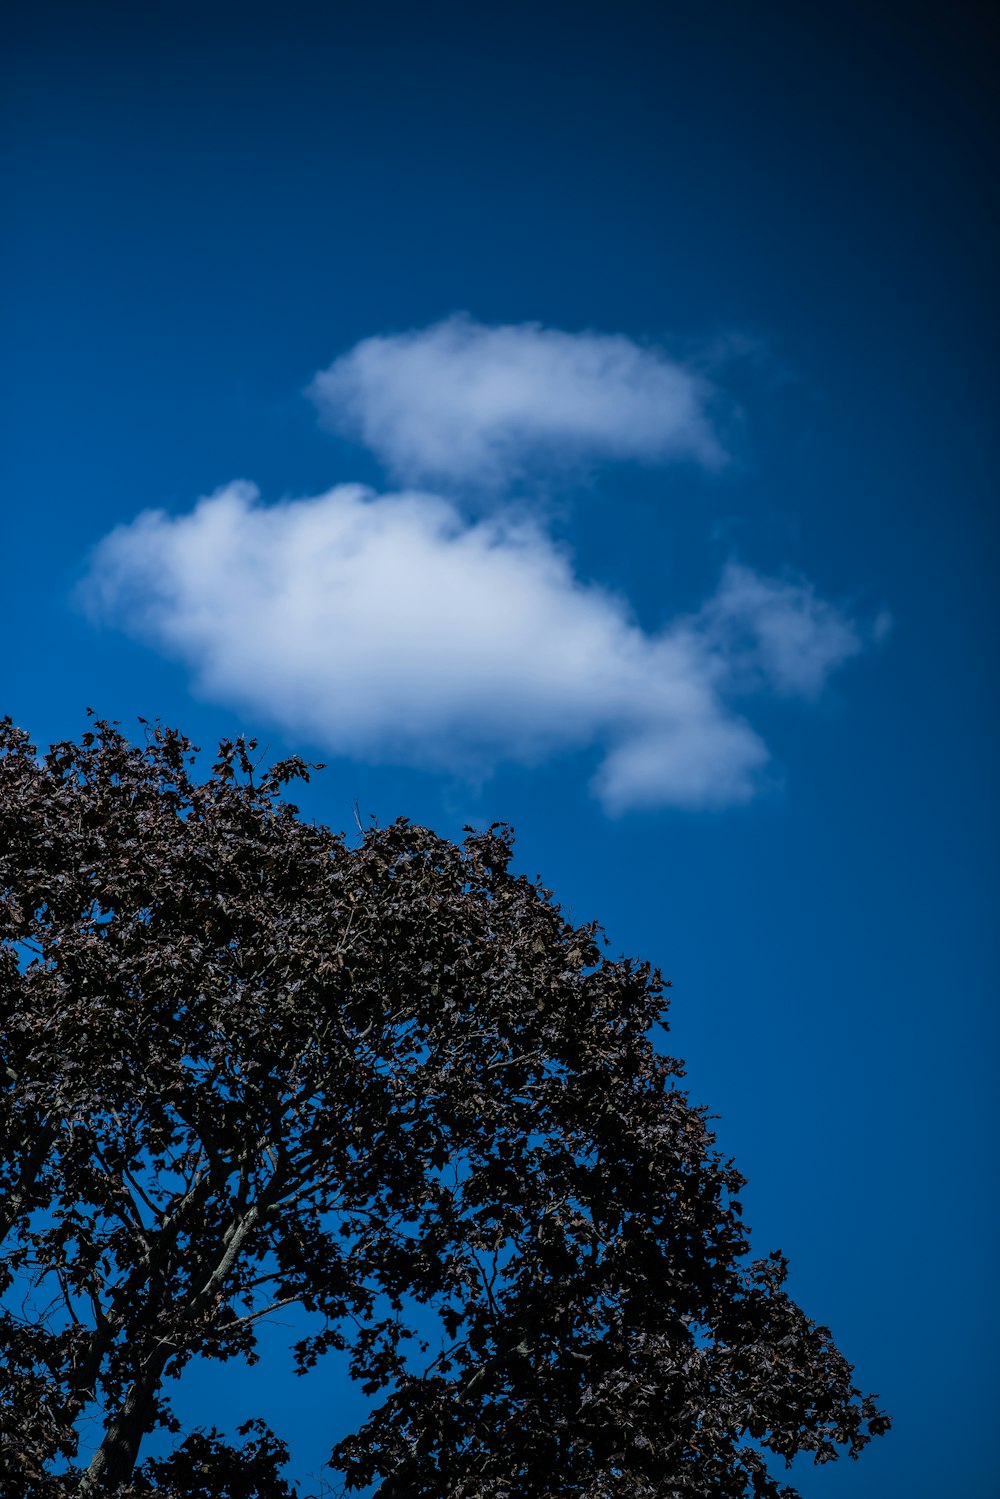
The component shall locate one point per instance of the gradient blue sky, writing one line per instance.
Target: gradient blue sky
(208, 205)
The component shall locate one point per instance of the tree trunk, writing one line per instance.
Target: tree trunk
(115, 1459)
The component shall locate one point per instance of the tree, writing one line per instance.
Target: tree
(247, 1064)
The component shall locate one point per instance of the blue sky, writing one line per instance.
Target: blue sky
(660, 341)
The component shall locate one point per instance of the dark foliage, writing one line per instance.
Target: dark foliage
(247, 1065)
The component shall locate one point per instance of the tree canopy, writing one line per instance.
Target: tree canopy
(249, 1063)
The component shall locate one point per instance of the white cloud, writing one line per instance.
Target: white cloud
(459, 402)
(392, 628)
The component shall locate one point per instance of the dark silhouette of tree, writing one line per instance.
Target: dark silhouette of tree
(246, 1065)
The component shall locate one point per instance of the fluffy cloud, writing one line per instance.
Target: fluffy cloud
(392, 628)
(463, 403)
